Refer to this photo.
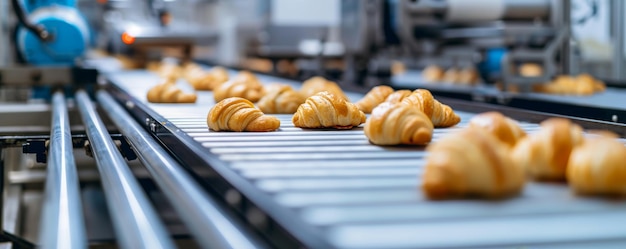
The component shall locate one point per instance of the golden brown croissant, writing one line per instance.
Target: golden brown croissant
(397, 96)
(326, 110)
(244, 85)
(504, 128)
(205, 80)
(451, 76)
(467, 76)
(280, 99)
(239, 114)
(441, 115)
(583, 84)
(169, 71)
(432, 73)
(374, 97)
(392, 124)
(545, 153)
(530, 70)
(318, 84)
(471, 162)
(598, 166)
(169, 93)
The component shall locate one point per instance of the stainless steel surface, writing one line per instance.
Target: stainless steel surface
(617, 10)
(136, 223)
(62, 224)
(359, 195)
(206, 220)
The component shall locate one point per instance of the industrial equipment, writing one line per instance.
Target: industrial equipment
(94, 164)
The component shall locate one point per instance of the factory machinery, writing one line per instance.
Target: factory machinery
(99, 166)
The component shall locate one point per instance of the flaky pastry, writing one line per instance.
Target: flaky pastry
(471, 162)
(318, 84)
(598, 166)
(441, 115)
(545, 154)
(244, 85)
(504, 128)
(393, 124)
(239, 114)
(280, 99)
(374, 97)
(169, 93)
(326, 110)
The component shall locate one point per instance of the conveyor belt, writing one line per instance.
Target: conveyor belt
(329, 188)
(609, 105)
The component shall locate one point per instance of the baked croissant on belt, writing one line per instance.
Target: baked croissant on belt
(280, 99)
(326, 110)
(239, 114)
(392, 124)
(504, 128)
(432, 73)
(205, 80)
(598, 166)
(397, 96)
(441, 115)
(374, 97)
(318, 84)
(244, 85)
(169, 93)
(545, 154)
(470, 162)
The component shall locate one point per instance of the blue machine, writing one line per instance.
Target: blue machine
(68, 30)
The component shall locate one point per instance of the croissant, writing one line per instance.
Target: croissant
(432, 73)
(441, 115)
(397, 96)
(318, 84)
(392, 124)
(451, 76)
(280, 99)
(169, 71)
(470, 162)
(374, 97)
(584, 84)
(598, 166)
(244, 85)
(203, 80)
(169, 93)
(530, 70)
(325, 110)
(504, 128)
(239, 114)
(545, 154)
(467, 76)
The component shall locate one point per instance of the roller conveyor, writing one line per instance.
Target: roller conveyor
(333, 189)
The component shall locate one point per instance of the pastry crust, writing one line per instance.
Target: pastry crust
(318, 84)
(452, 75)
(471, 162)
(504, 128)
(374, 97)
(280, 99)
(583, 84)
(393, 124)
(244, 85)
(441, 115)
(467, 76)
(545, 154)
(204, 80)
(530, 70)
(397, 96)
(326, 110)
(169, 71)
(239, 114)
(169, 93)
(432, 73)
(598, 166)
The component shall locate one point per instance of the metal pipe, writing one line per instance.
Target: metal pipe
(200, 212)
(617, 17)
(136, 223)
(62, 224)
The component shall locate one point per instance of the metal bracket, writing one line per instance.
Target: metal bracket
(39, 146)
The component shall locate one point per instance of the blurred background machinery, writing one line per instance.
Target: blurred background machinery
(75, 127)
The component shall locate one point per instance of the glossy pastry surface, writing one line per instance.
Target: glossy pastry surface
(326, 110)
